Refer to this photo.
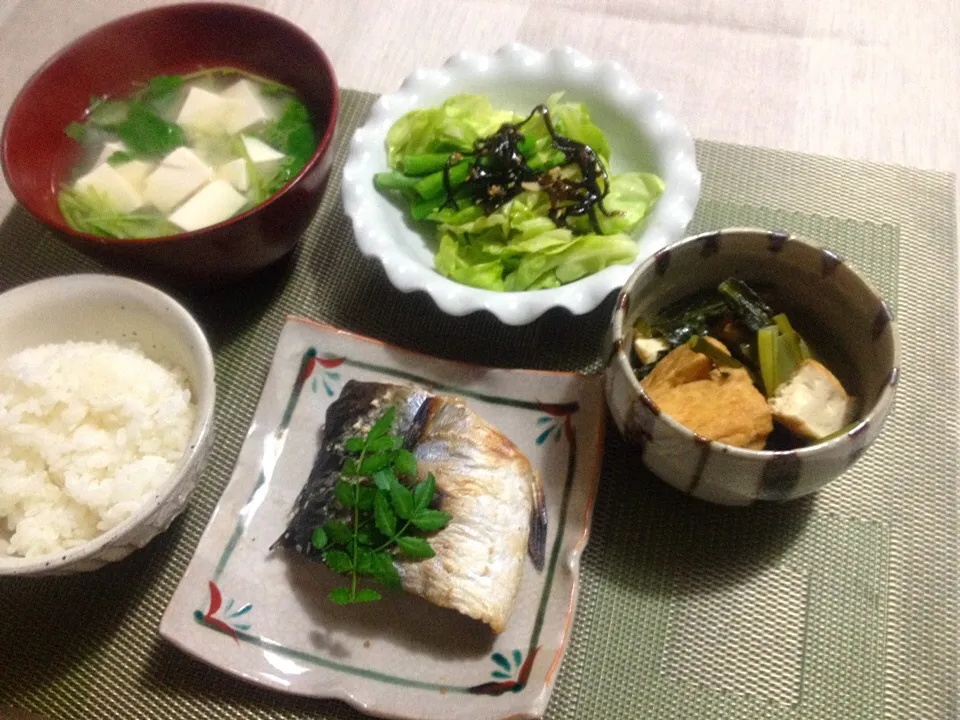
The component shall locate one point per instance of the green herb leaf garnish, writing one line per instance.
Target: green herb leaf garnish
(338, 532)
(344, 492)
(384, 516)
(341, 596)
(401, 500)
(385, 572)
(406, 463)
(423, 493)
(365, 595)
(415, 547)
(430, 520)
(387, 518)
(338, 561)
(319, 538)
(384, 478)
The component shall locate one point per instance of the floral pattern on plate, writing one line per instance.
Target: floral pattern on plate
(400, 657)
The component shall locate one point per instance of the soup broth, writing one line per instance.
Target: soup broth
(184, 152)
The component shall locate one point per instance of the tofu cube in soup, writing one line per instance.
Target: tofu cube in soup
(235, 173)
(180, 174)
(244, 106)
(213, 204)
(105, 180)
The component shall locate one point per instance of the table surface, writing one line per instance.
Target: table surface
(687, 610)
(874, 81)
(871, 81)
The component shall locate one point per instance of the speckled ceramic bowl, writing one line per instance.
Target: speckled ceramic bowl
(828, 302)
(92, 307)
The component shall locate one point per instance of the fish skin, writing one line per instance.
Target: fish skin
(494, 497)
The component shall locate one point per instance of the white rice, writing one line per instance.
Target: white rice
(88, 431)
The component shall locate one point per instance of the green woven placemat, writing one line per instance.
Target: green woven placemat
(843, 605)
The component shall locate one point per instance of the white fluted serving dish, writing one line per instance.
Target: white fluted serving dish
(643, 136)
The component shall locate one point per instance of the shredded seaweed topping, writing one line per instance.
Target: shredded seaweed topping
(498, 170)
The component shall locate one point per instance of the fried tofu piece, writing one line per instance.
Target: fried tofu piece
(812, 403)
(721, 404)
(681, 365)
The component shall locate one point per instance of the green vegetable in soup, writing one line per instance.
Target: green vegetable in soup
(148, 134)
(76, 131)
(108, 113)
(678, 323)
(93, 213)
(795, 344)
(120, 157)
(720, 358)
(161, 92)
(292, 134)
(767, 349)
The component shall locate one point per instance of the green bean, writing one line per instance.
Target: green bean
(462, 214)
(393, 181)
(527, 146)
(424, 164)
(420, 209)
(432, 185)
(544, 161)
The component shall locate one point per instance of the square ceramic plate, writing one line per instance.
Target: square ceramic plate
(264, 615)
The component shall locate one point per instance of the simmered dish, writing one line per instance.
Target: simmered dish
(730, 368)
(518, 202)
(184, 152)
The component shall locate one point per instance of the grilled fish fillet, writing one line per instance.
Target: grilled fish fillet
(483, 481)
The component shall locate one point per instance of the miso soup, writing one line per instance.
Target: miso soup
(184, 152)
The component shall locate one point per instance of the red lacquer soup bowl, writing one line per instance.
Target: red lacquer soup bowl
(38, 156)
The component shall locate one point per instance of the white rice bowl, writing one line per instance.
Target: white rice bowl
(88, 432)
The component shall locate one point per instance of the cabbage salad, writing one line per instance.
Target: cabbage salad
(519, 203)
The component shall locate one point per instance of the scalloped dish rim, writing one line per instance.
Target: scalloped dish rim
(366, 207)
